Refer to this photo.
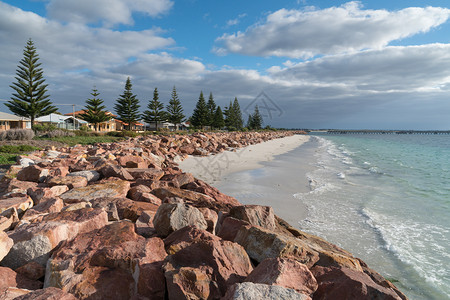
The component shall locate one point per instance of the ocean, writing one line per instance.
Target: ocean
(384, 198)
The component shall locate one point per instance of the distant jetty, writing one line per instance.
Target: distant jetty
(363, 131)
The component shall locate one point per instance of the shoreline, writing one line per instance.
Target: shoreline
(263, 170)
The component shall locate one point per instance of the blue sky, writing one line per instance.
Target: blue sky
(320, 64)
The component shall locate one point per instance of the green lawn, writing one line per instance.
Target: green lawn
(8, 153)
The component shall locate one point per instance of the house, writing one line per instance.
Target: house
(10, 121)
(120, 125)
(107, 126)
(60, 121)
(168, 125)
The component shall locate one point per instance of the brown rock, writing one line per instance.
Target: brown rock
(70, 181)
(9, 278)
(204, 188)
(115, 254)
(111, 170)
(131, 161)
(35, 241)
(51, 205)
(110, 189)
(285, 272)
(12, 293)
(142, 193)
(230, 227)
(256, 215)
(171, 217)
(18, 185)
(32, 270)
(9, 219)
(211, 218)
(129, 209)
(50, 293)
(21, 204)
(261, 244)
(147, 173)
(190, 197)
(33, 173)
(40, 193)
(345, 283)
(5, 244)
(178, 180)
(185, 237)
(250, 291)
(144, 224)
(109, 206)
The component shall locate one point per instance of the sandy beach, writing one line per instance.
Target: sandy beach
(257, 174)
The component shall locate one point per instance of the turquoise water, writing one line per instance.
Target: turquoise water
(386, 198)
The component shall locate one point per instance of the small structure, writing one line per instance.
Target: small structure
(167, 125)
(10, 121)
(63, 122)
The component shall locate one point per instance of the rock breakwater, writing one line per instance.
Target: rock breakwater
(122, 221)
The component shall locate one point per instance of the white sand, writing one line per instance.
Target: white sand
(214, 168)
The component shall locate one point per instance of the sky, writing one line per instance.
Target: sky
(306, 64)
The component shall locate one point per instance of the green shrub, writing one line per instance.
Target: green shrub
(16, 134)
(124, 133)
(59, 133)
(44, 127)
(17, 148)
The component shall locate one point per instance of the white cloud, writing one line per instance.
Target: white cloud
(235, 21)
(108, 12)
(347, 28)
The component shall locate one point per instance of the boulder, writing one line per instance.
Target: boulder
(284, 272)
(9, 219)
(128, 209)
(171, 217)
(35, 241)
(230, 227)
(40, 193)
(256, 291)
(12, 293)
(70, 181)
(18, 185)
(179, 180)
(51, 205)
(21, 204)
(144, 224)
(33, 173)
(204, 188)
(115, 254)
(111, 170)
(147, 173)
(32, 270)
(77, 206)
(109, 206)
(255, 215)
(211, 218)
(132, 161)
(143, 193)
(222, 262)
(90, 175)
(110, 189)
(9, 278)
(261, 244)
(344, 283)
(50, 293)
(5, 244)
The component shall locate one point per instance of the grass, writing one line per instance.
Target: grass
(8, 153)
(84, 140)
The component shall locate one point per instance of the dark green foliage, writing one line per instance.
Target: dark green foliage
(218, 122)
(17, 148)
(255, 120)
(237, 111)
(233, 116)
(44, 127)
(155, 113)
(95, 112)
(200, 116)
(127, 106)
(30, 98)
(124, 133)
(211, 110)
(174, 109)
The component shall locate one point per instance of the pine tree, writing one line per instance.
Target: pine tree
(218, 122)
(174, 109)
(249, 122)
(127, 106)
(30, 98)
(239, 123)
(255, 120)
(211, 109)
(230, 117)
(200, 115)
(95, 112)
(155, 113)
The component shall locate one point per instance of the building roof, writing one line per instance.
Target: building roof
(78, 112)
(55, 118)
(10, 117)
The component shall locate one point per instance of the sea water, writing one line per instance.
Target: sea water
(386, 199)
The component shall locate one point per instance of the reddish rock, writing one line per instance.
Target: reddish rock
(204, 188)
(144, 224)
(21, 204)
(129, 209)
(223, 262)
(51, 205)
(114, 254)
(90, 175)
(345, 283)
(33, 173)
(185, 237)
(191, 197)
(178, 180)
(131, 161)
(256, 215)
(9, 278)
(250, 291)
(187, 149)
(142, 193)
(109, 206)
(40, 193)
(171, 217)
(115, 171)
(32, 270)
(284, 272)
(261, 244)
(35, 241)
(9, 219)
(23, 186)
(12, 293)
(211, 218)
(147, 173)
(230, 227)
(110, 189)
(5, 244)
(50, 293)
(60, 171)
(70, 181)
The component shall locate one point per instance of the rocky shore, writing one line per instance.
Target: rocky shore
(122, 221)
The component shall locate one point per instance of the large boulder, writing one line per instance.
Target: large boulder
(35, 241)
(21, 204)
(50, 293)
(173, 216)
(9, 278)
(215, 262)
(132, 161)
(344, 283)
(147, 173)
(39, 194)
(284, 272)
(33, 173)
(261, 244)
(256, 215)
(109, 189)
(5, 244)
(90, 175)
(52, 205)
(257, 291)
(92, 264)
(204, 188)
(111, 170)
(70, 181)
